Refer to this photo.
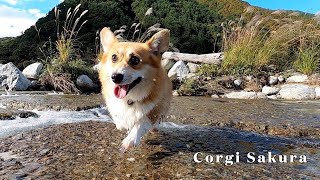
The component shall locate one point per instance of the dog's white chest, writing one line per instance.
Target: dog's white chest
(125, 115)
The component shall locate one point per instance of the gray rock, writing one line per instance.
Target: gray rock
(317, 90)
(270, 90)
(237, 82)
(167, 64)
(180, 69)
(193, 68)
(273, 80)
(33, 70)
(215, 96)
(96, 67)
(12, 78)
(280, 79)
(175, 93)
(241, 95)
(300, 78)
(85, 83)
(297, 91)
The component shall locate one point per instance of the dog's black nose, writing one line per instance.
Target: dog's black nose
(117, 78)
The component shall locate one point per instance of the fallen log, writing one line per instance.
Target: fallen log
(213, 58)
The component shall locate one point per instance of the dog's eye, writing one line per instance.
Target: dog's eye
(134, 60)
(114, 58)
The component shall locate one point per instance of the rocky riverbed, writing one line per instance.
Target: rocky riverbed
(90, 149)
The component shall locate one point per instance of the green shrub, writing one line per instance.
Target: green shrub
(307, 61)
(189, 87)
(209, 70)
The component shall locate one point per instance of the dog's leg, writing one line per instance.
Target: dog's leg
(155, 128)
(135, 134)
(120, 125)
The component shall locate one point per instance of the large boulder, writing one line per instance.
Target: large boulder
(270, 90)
(299, 78)
(33, 70)
(179, 69)
(85, 83)
(297, 91)
(12, 78)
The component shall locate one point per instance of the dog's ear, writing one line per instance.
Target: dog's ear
(107, 39)
(159, 43)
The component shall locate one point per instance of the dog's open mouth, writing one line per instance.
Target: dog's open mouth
(120, 91)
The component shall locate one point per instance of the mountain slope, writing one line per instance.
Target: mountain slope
(195, 25)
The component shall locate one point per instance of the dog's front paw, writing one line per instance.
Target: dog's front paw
(127, 143)
(135, 134)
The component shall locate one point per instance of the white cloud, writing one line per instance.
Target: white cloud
(14, 21)
(12, 2)
(36, 12)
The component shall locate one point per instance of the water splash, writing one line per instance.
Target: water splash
(47, 118)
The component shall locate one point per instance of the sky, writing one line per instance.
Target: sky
(309, 6)
(18, 15)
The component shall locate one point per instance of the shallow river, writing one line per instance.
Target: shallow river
(81, 138)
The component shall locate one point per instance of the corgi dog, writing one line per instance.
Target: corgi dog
(135, 87)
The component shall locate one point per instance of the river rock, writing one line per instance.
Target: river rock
(300, 78)
(273, 80)
(167, 64)
(180, 69)
(273, 97)
(12, 78)
(33, 70)
(193, 67)
(175, 93)
(281, 79)
(96, 67)
(270, 90)
(297, 91)
(237, 82)
(317, 90)
(85, 83)
(215, 96)
(241, 95)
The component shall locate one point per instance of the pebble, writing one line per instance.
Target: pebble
(131, 159)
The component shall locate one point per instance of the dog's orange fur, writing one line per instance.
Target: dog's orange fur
(151, 97)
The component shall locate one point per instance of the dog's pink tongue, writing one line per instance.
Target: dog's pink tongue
(120, 91)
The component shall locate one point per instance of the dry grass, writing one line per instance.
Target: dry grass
(62, 58)
(262, 41)
(68, 35)
(59, 82)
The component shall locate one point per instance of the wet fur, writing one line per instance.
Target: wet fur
(151, 96)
